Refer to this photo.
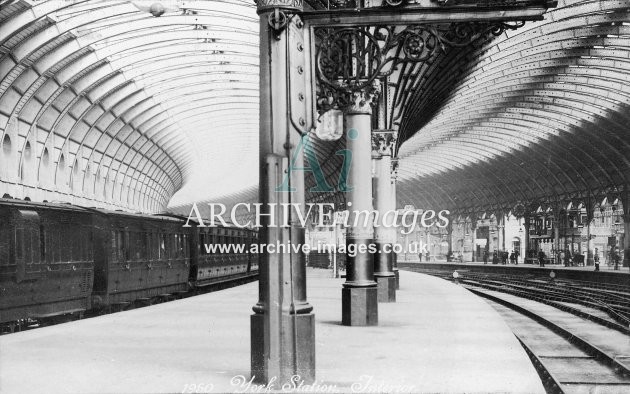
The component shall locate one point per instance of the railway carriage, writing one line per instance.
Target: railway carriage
(60, 260)
(209, 268)
(46, 261)
(140, 258)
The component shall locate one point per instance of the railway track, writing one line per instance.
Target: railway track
(575, 333)
(31, 324)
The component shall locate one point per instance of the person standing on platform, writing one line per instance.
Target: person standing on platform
(615, 258)
(516, 254)
(512, 258)
(596, 259)
(495, 257)
(541, 258)
(485, 256)
(567, 258)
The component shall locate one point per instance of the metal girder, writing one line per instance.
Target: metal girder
(423, 11)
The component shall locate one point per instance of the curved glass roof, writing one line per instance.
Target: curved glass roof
(153, 105)
(539, 113)
(103, 104)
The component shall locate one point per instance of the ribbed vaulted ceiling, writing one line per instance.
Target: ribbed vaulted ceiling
(102, 103)
(541, 113)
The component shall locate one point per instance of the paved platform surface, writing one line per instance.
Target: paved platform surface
(436, 338)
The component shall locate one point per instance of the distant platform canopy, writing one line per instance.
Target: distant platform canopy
(102, 103)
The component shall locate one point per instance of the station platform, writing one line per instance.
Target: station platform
(438, 337)
(588, 273)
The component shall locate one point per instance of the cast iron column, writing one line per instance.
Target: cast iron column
(589, 241)
(382, 145)
(283, 327)
(526, 220)
(359, 293)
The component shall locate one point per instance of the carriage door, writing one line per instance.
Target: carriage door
(27, 245)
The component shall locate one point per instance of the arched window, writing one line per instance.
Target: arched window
(6, 145)
(45, 178)
(76, 178)
(45, 158)
(27, 168)
(27, 151)
(62, 179)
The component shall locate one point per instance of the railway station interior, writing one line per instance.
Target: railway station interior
(495, 132)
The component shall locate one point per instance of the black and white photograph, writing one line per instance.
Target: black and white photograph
(314, 196)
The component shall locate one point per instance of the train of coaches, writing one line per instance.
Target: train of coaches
(60, 260)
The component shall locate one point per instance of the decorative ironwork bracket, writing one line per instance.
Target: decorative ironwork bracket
(348, 59)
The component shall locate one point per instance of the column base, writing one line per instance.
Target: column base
(304, 326)
(359, 306)
(386, 286)
(397, 276)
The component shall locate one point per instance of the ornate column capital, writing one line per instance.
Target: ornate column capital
(383, 142)
(361, 101)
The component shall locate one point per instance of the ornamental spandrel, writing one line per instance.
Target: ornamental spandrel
(349, 59)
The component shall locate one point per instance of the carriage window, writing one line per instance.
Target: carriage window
(63, 244)
(19, 243)
(86, 244)
(90, 243)
(180, 245)
(163, 246)
(33, 257)
(5, 246)
(42, 244)
(141, 246)
(125, 244)
(113, 245)
(75, 236)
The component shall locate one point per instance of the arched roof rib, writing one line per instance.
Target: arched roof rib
(537, 113)
(133, 97)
